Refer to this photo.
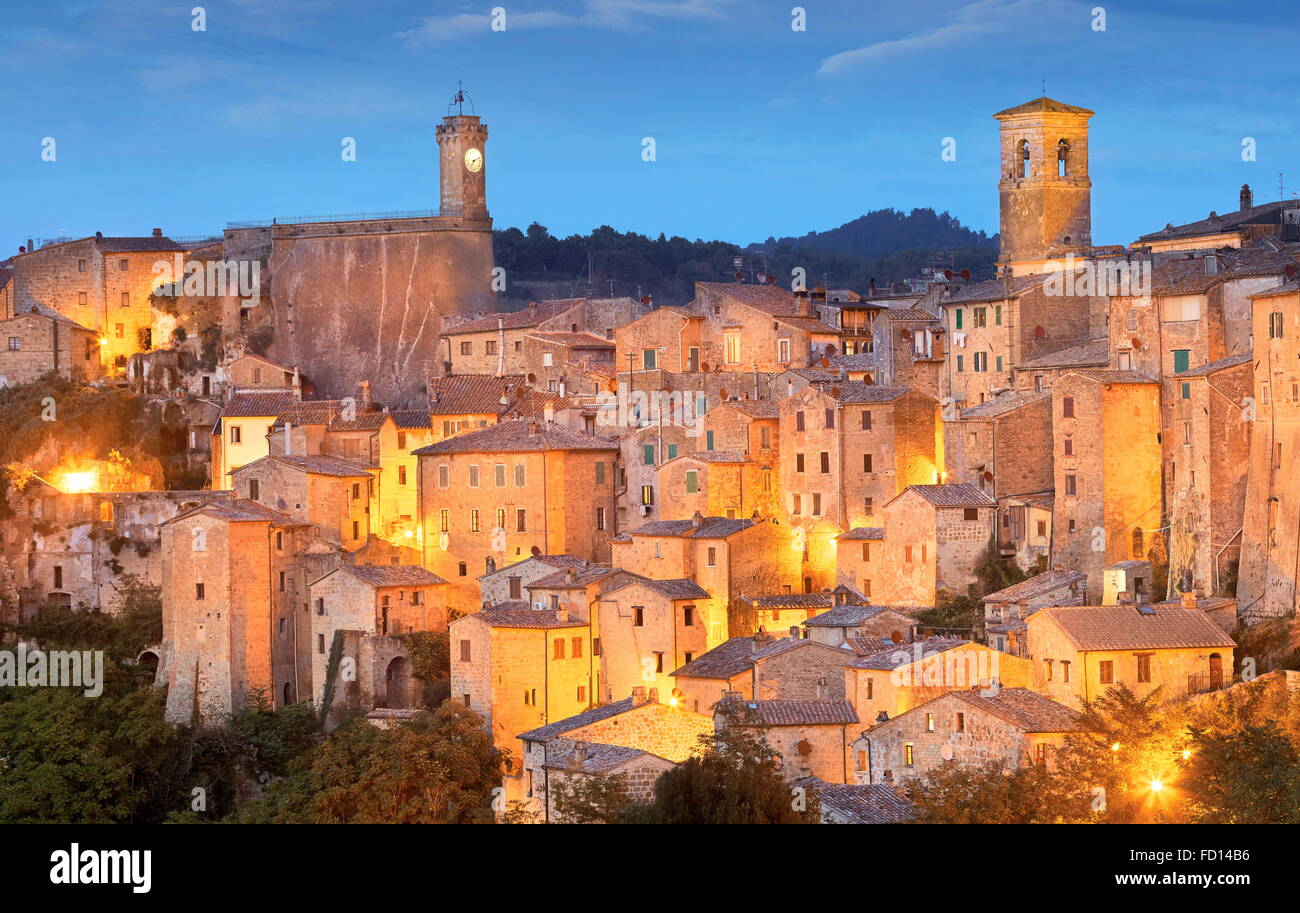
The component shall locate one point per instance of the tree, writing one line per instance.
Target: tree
(439, 768)
(1246, 777)
(990, 794)
(733, 780)
(597, 799)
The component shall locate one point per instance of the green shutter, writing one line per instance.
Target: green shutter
(708, 440)
(959, 318)
(1181, 360)
(692, 482)
(648, 455)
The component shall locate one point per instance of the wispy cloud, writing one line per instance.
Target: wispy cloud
(982, 18)
(612, 15)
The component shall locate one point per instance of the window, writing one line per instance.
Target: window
(1182, 359)
(1071, 485)
(798, 462)
(817, 505)
(124, 264)
(1065, 670)
(1047, 669)
(866, 551)
(998, 366)
(464, 651)
(356, 529)
(281, 581)
(444, 520)
(1069, 446)
(764, 437)
(82, 298)
(473, 475)
(971, 513)
(798, 421)
(198, 587)
(126, 299)
(692, 481)
(997, 315)
(733, 348)
(908, 755)
(1275, 325)
(1144, 667)
(320, 643)
(444, 476)
(647, 494)
(1067, 407)
(869, 505)
(500, 475)
(647, 359)
(600, 518)
(981, 317)
(15, 343)
(199, 540)
(866, 465)
(501, 519)
(401, 475)
(960, 724)
(558, 648)
(866, 588)
(490, 347)
(907, 554)
(659, 661)
(959, 313)
(236, 434)
(279, 542)
(830, 418)
(548, 360)
(521, 520)
(254, 489)
(825, 459)
(1186, 390)
(638, 616)
(796, 505)
(866, 420)
(1106, 671)
(961, 364)
(783, 351)
(467, 348)
(473, 521)
(600, 472)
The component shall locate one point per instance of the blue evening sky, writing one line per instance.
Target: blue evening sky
(760, 130)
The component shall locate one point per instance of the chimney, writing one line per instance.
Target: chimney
(579, 756)
(732, 696)
(535, 428)
(562, 616)
(157, 232)
(801, 297)
(697, 521)
(570, 572)
(30, 245)
(548, 412)
(638, 695)
(1247, 198)
(762, 638)
(1124, 598)
(288, 439)
(794, 632)
(365, 395)
(1189, 600)
(532, 309)
(501, 346)
(823, 692)
(652, 696)
(1211, 264)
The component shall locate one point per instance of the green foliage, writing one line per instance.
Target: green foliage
(990, 794)
(430, 654)
(593, 799)
(440, 768)
(1246, 777)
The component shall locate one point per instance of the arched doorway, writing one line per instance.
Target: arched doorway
(1216, 671)
(397, 684)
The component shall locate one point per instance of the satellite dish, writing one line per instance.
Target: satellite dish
(1137, 343)
(804, 748)
(965, 274)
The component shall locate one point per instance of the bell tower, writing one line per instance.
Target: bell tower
(1044, 189)
(462, 168)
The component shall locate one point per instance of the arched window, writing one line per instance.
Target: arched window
(1137, 543)
(1022, 152)
(1063, 158)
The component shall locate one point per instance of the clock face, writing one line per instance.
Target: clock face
(473, 160)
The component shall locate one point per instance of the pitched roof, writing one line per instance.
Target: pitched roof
(1262, 214)
(897, 657)
(862, 532)
(1043, 105)
(1036, 585)
(861, 803)
(771, 299)
(994, 289)
(957, 494)
(473, 394)
(729, 658)
(239, 510)
(525, 618)
(671, 589)
(1092, 352)
(518, 436)
(1220, 364)
(521, 319)
(1007, 402)
(246, 405)
(718, 456)
(319, 465)
(708, 528)
(125, 245)
(1024, 709)
(579, 340)
(848, 616)
(852, 392)
(754, 408)
(586, 718)
(792, 601)
(1124, 627)
(579, 579)
(382, 575)
(791, 713)
(598, 757)
(1115, 377)
(909, 314)
(411, 419)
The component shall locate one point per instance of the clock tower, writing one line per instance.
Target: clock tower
(462, 139)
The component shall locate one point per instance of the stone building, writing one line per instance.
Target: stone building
(935, 537)
(101, 283)
(38, 342)
(507, 586)
(510, 490)
(859, 803)
(1106, 455)
(554, 360)
(1006, 609)
(1038, 374)
(567, 761)
(374, 600)
(716, 483)
(240, 433)
(1278, 220)
(648, 628)
(810, 737)
(1271, 530)
(969, 728)
(847, 623)
(1003, 446)
(521, 668)
(1081, 652)
(884, 684)
(847, 449)
(638, 723)
(415, 271)
(336, 495)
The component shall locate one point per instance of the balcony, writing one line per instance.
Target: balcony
(1205, 682)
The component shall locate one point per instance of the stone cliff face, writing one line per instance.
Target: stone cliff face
(369, 306)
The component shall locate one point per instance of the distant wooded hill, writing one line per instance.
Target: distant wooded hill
(885, 246)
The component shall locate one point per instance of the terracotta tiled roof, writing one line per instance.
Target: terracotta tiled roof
(729, 658)
(578, 340)
(411, 419)
(792, 601)
(586, 718)
(381, 575)
(474, 394)
(853, 392)
(520, 436)
(598, 758)
(671, 589)
(848, 616)
(718, 456)
(579, 579)
(1043, 105)
(791, 713)
(239, 511)
(862, 532)
(1116, 377)
(909, 314)
(1026, 710)
(960, 494)
(525, 618)
(1286, 288)
(905, 654)
(994, 289)
(867, 644)
(308, 412)
(136, 245)
(771, 299)
(319, 465)
(1263, 214)
(521, 319)
(1231, 361)
(859, 361)
(1092, 352)
(709, 528)
(1134, 627)
(1037, 585)
(252, 405)
(863, 803)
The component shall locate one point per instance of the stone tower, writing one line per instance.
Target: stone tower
(462, 139)
(1045, 191)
